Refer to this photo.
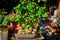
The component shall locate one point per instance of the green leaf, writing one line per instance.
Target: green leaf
(39, 1)
(45, 15)
(5, 22)
(45, 0)
(1, 19)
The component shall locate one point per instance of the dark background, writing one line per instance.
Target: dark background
(9, 4)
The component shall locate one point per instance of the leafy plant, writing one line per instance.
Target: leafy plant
(18, 19)
(3, 19)
(11, 18)
(28, 11)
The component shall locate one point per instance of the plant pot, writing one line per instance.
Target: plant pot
(3, 34)
(14, 26)
(32, 35)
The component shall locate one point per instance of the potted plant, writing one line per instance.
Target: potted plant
(3, 25)
(28, 13)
